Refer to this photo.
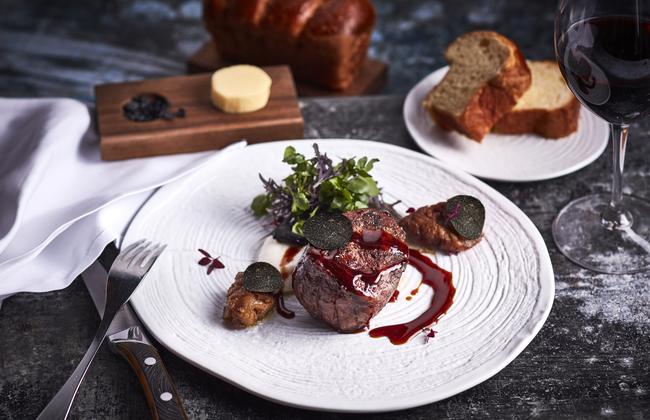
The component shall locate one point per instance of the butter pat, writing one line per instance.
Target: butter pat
(241, 88)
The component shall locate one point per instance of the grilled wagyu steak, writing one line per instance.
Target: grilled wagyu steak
(346, 287)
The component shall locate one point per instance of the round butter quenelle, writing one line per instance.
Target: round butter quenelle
(241, 88)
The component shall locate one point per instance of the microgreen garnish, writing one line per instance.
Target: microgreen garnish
(317, 184)
(466, 215)
(210, 262)
(262, 277)
(328, 230)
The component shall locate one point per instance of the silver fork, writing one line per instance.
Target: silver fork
(129, 268)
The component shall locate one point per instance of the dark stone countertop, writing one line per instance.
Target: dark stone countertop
(590, 359)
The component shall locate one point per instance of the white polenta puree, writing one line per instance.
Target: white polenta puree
(272, 252)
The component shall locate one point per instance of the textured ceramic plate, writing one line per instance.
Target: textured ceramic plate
(504, 290)
(513, 158)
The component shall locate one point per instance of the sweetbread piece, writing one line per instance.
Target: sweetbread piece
(245, 308)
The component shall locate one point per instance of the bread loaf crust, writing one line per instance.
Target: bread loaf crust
(288, 18)
(492, 100)
(324, 41)
(342, 17)
(553, 124)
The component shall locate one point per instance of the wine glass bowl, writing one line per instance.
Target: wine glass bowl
(603, 50)
(606, 62)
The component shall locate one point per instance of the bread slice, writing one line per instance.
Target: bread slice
(548, 108)
(487, 75)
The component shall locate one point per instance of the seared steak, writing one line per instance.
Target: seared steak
(348, 286)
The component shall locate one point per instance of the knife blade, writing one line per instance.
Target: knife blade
(126, 337)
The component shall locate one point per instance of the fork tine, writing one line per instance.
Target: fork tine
(134, 253)
(150, 258)
(131, 250)
(132, 247)
(137, 261)
(126, 255)
(154, 256)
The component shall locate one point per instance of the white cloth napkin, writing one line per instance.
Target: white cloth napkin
(60, 204)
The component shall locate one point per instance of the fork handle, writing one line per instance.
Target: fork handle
(59, 407)
(162, 397)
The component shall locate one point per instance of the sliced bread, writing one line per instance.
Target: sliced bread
(548, 107)
(487, 75)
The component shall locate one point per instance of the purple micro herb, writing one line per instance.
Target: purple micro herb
(210, 262)
(453, 213)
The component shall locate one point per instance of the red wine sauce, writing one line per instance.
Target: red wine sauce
(288, 256)
(432, 275)
(394, 297)
(371, 239)
(280, 308)
(440, 281)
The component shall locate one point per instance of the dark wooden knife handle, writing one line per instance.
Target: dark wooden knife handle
(162, 397)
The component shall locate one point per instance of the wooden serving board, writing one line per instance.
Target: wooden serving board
(371, 80)
(204, 126)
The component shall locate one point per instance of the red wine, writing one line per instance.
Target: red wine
(606, 63)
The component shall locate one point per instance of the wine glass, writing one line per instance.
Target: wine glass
(603, 50)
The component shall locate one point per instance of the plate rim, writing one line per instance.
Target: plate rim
(420, 140)
(544, 300)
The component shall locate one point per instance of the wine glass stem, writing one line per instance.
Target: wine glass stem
(615, 217)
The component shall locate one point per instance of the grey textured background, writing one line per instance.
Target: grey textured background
(590, 359)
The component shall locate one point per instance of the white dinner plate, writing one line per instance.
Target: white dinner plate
(512, 158)
(504, 289)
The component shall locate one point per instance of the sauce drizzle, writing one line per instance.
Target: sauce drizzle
(394, 297)
(288, 256)
(281, 309)
(440, 281)
(369, 239)
(433, 276)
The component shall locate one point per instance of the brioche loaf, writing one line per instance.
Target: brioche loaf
(548, 107)
(323, 41)
(487, 75)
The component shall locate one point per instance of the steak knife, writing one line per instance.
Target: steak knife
(126, 337)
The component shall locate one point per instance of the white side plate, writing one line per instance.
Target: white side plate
(512, 158)
(505, 289)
